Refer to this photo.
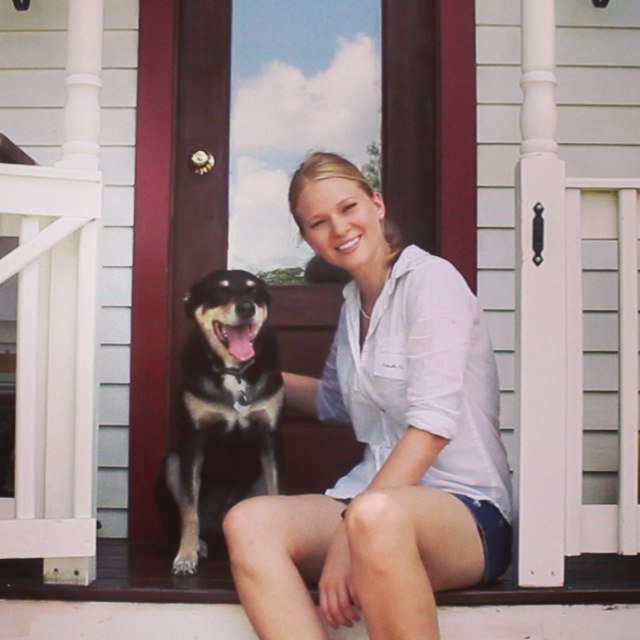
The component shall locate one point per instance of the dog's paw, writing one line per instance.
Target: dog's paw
(185, 564)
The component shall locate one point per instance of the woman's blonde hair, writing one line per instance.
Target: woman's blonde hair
(321, 165)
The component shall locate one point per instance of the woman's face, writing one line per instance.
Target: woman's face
(342, 223)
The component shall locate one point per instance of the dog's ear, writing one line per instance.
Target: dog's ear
(190, 303)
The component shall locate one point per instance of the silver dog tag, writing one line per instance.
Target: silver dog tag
(242, 405)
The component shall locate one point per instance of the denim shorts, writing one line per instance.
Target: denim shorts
(495, 531)
(496, 534)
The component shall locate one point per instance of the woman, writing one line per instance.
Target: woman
(412, 368)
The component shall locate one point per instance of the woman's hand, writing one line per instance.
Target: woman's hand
(338, 601)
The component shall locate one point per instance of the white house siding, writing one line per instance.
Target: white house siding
(32, 76)
(598, 95)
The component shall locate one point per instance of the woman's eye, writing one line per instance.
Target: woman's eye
(316, 223)
(350, 205)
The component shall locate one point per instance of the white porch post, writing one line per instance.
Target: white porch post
(541, 310)
(72, 492)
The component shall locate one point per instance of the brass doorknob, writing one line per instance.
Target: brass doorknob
(201, 162)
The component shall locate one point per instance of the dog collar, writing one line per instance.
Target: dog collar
(236, 372)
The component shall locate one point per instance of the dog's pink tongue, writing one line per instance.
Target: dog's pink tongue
(240, 346)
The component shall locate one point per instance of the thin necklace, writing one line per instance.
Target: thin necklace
(362, 311)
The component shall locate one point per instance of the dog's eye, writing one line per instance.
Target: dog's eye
(224, 284)
(250, 284)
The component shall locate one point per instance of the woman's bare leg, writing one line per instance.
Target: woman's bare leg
(275, 543)
(406, 544)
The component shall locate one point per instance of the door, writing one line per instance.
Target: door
(304, 315)
(412, 126)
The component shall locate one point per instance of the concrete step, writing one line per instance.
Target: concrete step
(58, 620)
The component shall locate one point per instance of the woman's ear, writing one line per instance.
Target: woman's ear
(378, 202)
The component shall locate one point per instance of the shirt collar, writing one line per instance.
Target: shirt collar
(410, 258)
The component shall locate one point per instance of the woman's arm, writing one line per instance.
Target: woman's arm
(406, 465)
(301, 393)
(410, 459)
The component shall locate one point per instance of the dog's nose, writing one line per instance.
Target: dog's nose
(245, 309)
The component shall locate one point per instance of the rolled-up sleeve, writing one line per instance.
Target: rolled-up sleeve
(329, 402)
(441, 311)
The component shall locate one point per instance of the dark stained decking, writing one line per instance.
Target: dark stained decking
(141, 572)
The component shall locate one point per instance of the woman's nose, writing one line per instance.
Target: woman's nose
(339, 225)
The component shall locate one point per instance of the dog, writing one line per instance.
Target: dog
(226, 414)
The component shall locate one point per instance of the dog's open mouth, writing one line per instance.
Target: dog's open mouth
(238, 339)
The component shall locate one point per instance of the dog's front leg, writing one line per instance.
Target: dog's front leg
(269, 463)
(269, 451)
(186, 560)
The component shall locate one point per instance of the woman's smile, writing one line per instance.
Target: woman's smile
(349, 245)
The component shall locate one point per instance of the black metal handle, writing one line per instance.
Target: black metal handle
(21, 5)
(538, 234)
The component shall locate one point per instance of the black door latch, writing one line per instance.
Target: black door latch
(538, 234)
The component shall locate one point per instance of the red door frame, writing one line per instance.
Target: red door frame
(150, 288)
(153, 195)
(457, 162)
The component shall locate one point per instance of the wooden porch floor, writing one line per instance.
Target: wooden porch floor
(141, 572)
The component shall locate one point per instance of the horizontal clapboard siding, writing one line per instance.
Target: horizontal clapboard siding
(32, 76)
(119, 100)
(598, 95)
(52, 16)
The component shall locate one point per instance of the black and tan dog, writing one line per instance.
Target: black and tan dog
(227, 411)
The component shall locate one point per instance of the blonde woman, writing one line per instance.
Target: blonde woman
(412, 368)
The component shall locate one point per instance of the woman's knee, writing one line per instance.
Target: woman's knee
(375, 520)
(267, 529)
(245, 523)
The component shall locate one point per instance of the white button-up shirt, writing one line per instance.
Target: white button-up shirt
(427, 362)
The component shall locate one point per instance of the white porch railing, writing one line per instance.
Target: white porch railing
(54, 212)
(595, 209)
(613, 528)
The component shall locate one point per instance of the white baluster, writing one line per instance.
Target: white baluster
(628, 371)
(538, 119)
(81, 148)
